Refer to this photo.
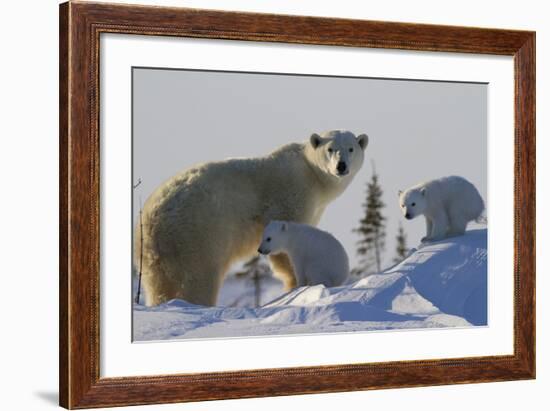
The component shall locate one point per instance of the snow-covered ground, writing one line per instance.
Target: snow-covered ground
(442, 284)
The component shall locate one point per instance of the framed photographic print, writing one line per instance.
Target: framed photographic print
(256, 205)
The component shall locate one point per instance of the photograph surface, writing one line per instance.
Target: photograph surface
(277, 204)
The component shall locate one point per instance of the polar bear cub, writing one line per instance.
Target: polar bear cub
(316, 256)
(447, 203)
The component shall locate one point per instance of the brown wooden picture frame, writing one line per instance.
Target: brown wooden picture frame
(80, 27)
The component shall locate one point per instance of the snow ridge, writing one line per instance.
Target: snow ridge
(441, 284)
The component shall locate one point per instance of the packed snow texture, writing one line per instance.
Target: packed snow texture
(440, 284)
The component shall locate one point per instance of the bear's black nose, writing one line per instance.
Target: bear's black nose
(341, 167)
(408, 216)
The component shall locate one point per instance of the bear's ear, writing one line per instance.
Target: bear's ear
(315, 140)
(399, 193)
(423, 191)
(284, 226)
(363, 141)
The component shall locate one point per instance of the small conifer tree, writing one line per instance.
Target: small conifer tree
(256, 270)
(372, 230)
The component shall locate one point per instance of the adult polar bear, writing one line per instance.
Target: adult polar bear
(199, 222)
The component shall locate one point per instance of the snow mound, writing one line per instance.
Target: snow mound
(441, 284)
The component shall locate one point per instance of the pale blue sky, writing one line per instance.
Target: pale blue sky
(418, 130)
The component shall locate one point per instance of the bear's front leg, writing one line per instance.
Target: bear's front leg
(440, 225)
(428, 230)
(283, 270)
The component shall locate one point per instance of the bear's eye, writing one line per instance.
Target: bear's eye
(330, 150)
(268, 239)
(351, 150)
(413, 204)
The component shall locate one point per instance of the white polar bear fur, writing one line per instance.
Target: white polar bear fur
(448, 204)
(201, 221)
(316, 256)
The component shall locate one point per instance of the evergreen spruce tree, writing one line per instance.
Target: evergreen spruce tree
(256, 270)
(401, 249)
(371, 230)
